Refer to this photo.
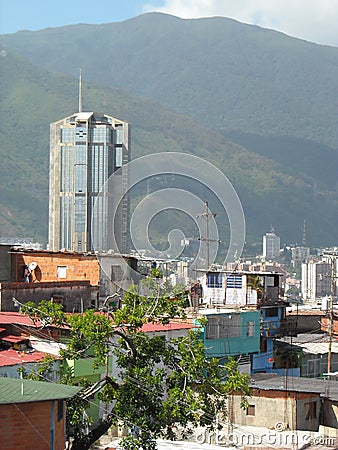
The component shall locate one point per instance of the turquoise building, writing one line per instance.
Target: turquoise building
(231, 333)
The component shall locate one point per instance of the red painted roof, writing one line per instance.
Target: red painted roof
(13, 317)
(16, 317)
(12, 357)
(23, 319)
(12, 338)
(152, 327)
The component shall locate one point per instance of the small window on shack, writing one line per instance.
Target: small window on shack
(310, 411)
(62, 272)
(251, 410)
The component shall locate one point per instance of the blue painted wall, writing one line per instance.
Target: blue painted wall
(239, 345)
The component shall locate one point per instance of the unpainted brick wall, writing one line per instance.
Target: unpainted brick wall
(27, 426)
(79, 267)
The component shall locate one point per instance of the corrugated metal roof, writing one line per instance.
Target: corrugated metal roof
(13, 390)
(12, 357)
(311, 343)
(273, 382)
(149, 327)
(318, 348)
(12, 338)
(13, 317)
(306, 312)
(17, 318)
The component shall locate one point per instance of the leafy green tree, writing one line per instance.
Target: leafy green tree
(163, 385)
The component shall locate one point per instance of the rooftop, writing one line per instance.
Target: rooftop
(311, 343)
(305, 312)
(18, 318)
(172, 326)
(14, 390)
(268, 382)
(13, 357)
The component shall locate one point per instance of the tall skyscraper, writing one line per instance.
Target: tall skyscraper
(88, 152)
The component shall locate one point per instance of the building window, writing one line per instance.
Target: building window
(119, 135)
(118, 157)
(62, 272)
(60, 410)
(263, 345)
(271, 312)
(251, 410)
(81, 134)
(67, 135)
(234, 282)
(223, 327)
(214, 280)
(313, 367)
(250, 328)
(310, 411)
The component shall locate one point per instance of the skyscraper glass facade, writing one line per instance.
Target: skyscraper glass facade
(85, 150)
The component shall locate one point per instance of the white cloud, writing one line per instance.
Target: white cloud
(312, 20)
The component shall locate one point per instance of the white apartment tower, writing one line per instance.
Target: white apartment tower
(316, 280)
(271, 245)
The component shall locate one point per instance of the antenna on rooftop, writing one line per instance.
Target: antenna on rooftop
(206, 239)
(80, 91)
(304, 233)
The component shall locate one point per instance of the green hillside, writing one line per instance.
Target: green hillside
(227, 75)
(32, 98)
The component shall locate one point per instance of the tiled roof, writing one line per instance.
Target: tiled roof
(14, 390)
(12, 357)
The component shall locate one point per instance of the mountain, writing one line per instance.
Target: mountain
(225, 74)
(271, 143)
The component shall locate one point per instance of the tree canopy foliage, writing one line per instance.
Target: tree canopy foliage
(164, 387)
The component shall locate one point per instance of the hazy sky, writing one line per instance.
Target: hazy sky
(312, 20)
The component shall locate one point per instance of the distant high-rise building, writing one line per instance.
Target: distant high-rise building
(271, 245)
(299, 255)
(86, 149)
(316, 280)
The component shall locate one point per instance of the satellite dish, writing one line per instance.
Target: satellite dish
(32, 266)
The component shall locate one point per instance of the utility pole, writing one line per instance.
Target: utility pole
(206, 239)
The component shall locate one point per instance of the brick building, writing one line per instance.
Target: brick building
(55, 266)
(33, 414)
(71, 279)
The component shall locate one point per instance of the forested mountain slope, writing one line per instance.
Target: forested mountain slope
(271, 142)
